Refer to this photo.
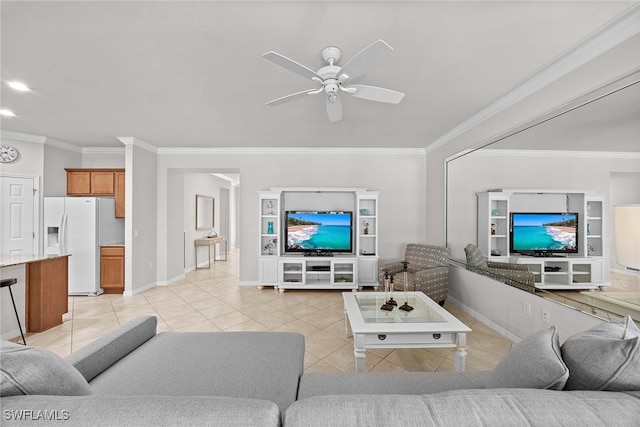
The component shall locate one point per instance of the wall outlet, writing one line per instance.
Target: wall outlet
(526, 308)
(546, 315)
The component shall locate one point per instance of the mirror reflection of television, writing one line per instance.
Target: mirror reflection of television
(309, 231)
(543, 233)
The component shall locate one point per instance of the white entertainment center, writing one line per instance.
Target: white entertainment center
(586, 269)
(283, 269)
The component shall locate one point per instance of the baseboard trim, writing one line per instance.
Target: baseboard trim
(11, 334)
(492, 325)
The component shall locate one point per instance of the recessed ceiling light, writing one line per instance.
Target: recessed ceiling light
(7, 113)
(18, 86)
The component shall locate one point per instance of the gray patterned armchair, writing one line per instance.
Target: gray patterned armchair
(516, 275)
(428, 271)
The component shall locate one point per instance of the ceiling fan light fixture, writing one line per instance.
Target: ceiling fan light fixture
(333, 97)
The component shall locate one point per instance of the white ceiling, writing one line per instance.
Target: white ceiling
(190, 74)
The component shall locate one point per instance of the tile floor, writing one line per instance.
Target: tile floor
(211, 300)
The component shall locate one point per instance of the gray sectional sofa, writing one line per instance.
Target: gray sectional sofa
(136, 377)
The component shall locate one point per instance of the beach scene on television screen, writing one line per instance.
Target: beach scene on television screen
(544, 232)
(326, 231)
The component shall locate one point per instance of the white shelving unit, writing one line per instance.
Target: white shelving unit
(341, 271)
(585, 270)
(269, 249)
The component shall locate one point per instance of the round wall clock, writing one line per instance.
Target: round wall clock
(8, 154)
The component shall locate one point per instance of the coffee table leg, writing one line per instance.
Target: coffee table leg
(460, 353)
(347, 325)
(359, 352)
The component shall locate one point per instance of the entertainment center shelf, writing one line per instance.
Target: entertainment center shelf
(287, 218)
(586, 267)
(564, 272)
(318, 273)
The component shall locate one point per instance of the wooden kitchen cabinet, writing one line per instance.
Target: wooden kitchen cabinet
(98, 182)
(112, 269)
(119, 193)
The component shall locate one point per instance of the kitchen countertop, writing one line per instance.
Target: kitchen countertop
(11, 260)
(117, 244)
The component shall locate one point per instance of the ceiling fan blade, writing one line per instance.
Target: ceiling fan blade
(291, 97)
(378, 94)
(291, 65)
(365, 59)
(334, 110)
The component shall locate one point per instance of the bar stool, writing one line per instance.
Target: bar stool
(6, 283)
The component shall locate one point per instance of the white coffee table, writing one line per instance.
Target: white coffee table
(427, 326)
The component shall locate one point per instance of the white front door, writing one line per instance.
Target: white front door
(18, 215)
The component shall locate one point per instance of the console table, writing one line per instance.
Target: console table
(209, 242)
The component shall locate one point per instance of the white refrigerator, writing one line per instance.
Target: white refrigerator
(78, 226)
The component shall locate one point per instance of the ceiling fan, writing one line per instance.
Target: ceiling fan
(333, 79)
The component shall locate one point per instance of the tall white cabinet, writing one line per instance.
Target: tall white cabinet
(588, 269)
(296, 271)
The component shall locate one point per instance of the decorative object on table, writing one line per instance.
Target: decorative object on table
(405, 306)
(386, 306)
(391, 301)
(495, 212)
(493, 229)
(270, 227)
(366, 227)
(269, 247)
(8, 154)
(365, 212)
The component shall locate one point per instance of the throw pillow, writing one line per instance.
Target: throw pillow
(475, 257)
(534, 362)
(30, 370)
(605, 357)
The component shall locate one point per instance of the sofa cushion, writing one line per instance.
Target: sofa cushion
(325, 383)
(474, 256)
(534, 362)
(100, 354)
(486, 407)
(30, 370)
(138, 411)
(605, 357)
(256, 365)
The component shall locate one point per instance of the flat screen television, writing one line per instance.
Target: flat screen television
(309, 231)
(543, 233)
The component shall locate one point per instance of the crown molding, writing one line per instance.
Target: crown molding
(23, 137)
(487, 152)
(611, 35)
(63, 145)
(292, 151)
(130, 140)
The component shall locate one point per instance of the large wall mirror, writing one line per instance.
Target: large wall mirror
(590, 144)
(204, 212)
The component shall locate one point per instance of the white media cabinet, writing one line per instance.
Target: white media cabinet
(588, 269)
(296, 271)
(565, 272)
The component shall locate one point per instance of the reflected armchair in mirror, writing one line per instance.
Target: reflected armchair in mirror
(427, 271)
(516, 275)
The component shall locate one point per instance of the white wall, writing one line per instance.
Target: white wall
(624, 189)
(400, 179)
(141, 237)
(501, 307)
